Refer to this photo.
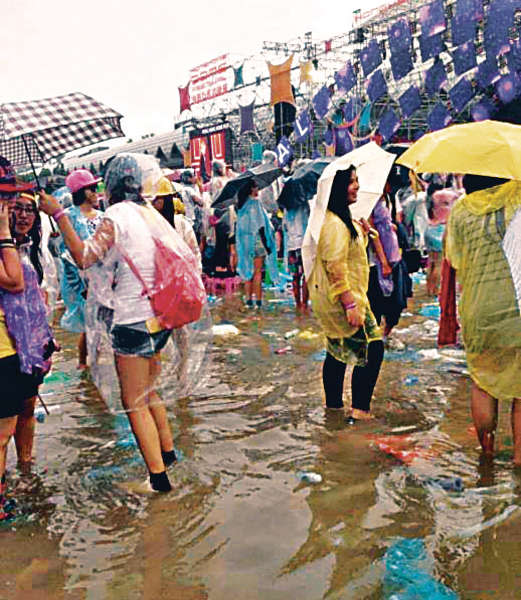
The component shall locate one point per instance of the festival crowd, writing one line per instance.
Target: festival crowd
(114, 250)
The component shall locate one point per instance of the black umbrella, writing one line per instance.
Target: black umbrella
(263, 175)
(302, 185)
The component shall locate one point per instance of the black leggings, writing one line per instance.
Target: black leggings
(363, 379)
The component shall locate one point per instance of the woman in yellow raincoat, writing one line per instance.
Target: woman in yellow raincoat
(338, 291)
(489, 312)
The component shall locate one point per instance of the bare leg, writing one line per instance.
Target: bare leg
(82, 350)
(516, 430)
(157, 408)
(248, 289)
(296, 290)
(7, 427)
(484, 413)
(258, 262)
(433, 274)
(24, 433)
(133, 375)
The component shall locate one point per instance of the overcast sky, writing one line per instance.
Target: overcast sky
(132, 55)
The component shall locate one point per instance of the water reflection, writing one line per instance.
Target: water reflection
(240, 523)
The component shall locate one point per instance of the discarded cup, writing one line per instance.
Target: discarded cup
(39, 415)
(289, 334)
(411, 380)
(309, 477)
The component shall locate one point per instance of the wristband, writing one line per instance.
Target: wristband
(58, 214)
(349, 306)
(7, 245)
(7, 241)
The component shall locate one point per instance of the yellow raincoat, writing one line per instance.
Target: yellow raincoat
(341, 265)
(489, 314)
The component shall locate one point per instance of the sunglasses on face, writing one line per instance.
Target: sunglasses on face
(24, 208)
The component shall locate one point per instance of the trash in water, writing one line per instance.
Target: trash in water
(449, 484)
(401, 356)
(411, 380)
(225, 329)
(430, 354)
(409, 573)
(284, 350)
(430, 310)
(307, 334)
(309, 476)
(39, 415)
(319, 356)
(289, 334)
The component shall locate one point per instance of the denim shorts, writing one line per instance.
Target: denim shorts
(135, 339)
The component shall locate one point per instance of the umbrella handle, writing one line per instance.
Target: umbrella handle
(53, 228)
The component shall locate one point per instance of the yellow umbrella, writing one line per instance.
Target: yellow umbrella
(490, 148)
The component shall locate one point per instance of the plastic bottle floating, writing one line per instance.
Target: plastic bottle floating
(432, 311)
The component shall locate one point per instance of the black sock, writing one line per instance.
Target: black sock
(249, 302)
(3, 479)
(169, 458)
(159, 482)
(259, 303)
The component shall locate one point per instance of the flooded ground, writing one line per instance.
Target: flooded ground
(404, 509)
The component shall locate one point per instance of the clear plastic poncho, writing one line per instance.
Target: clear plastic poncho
(488, 308)
(116, 295)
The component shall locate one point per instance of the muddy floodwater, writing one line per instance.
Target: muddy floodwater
(272, 500)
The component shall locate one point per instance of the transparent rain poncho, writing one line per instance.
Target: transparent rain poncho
(128, 229)
(488, 308)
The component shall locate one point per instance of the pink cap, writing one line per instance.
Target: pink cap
(79, 179)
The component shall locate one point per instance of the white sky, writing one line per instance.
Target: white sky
(132, 55)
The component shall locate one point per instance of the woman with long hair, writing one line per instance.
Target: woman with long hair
(338, 290)
(126, 236)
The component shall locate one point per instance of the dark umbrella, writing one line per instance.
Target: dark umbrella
(302, 185)
(263, 175)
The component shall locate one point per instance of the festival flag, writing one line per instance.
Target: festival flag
(464, 58)
(401, 64)
(371, 57)
(246, 113)
(184, 97)
(343, 140)
(321, 102)
(306, 72)
(237, 76)
(461, 94)
(435, 77)
(389, 125)
(399, 35)
(280, 76)
(284, 151)
(432, 18)
(345, 78)
(439, 117)
(483, 110)
(327, 46)
(410, 101)
(303, 126)
(376, 86)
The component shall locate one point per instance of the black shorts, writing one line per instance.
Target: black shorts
(16, 386)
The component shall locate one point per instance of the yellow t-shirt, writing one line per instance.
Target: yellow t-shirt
(7, 347)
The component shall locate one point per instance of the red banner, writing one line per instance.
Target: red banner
(209, 80)
(210, 145)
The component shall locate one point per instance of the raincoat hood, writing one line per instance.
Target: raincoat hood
(492, 199)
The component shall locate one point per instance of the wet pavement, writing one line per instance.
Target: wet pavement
(272, 498)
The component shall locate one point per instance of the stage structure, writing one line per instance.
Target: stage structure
(404, 68)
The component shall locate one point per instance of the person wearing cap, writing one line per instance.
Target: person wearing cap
(165, 204)
(84, 217)
(26, 341)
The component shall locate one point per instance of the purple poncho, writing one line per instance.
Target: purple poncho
(26, 320)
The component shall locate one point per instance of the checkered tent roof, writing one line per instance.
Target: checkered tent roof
(54, 126)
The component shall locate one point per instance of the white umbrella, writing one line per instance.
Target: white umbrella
(373, 166)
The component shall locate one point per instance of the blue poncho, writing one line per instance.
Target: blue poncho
(250, 218)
